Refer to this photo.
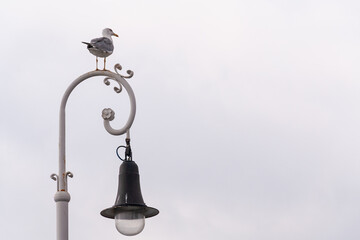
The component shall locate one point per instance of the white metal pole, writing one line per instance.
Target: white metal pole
(62, 210)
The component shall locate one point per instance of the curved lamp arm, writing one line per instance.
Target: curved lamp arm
(107, 114)
(62, 197)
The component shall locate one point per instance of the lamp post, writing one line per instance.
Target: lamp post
(129, 210)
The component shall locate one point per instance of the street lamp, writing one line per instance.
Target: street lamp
(129, 210)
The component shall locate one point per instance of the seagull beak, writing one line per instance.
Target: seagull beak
(114, 34)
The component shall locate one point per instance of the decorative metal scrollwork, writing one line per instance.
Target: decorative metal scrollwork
(119, 67)
(116, 89)
(108, 114)
(69, 174)
(116, 68)
(55, 177)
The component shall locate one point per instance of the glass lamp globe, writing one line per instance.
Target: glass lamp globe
(129, 223)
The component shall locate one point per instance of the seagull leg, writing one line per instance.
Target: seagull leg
(104, 63)
(97, 63)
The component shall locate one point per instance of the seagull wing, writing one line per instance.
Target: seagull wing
(103, 44)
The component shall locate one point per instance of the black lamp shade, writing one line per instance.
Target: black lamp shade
(129, 198)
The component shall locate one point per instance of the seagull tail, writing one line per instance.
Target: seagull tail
(89, 45)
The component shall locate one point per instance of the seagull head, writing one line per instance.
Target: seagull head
(108, 33)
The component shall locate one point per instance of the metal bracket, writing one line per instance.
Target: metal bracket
(55, 177)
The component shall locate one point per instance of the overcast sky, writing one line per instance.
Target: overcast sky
(247, 125)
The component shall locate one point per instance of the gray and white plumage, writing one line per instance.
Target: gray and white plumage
(102, 47)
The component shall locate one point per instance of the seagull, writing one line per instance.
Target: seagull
(102, 47)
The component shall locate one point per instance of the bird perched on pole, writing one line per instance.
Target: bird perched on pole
(102, 47)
